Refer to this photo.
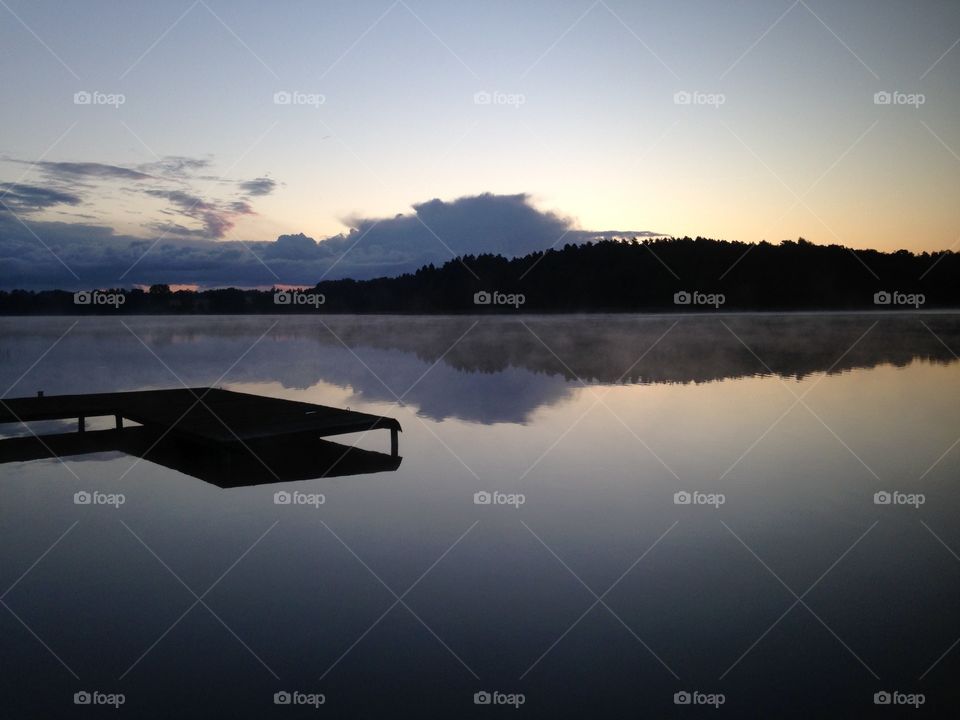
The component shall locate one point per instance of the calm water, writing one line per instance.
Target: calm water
(599, 595)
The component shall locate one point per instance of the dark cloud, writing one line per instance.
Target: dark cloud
(241, 207)
(174, 178)
(435, 232)
(171, 167)
(294, 247)
(175, 166)
(258, 186)
(72, 170)
(176, 230)
(217, 219)
(180, 198)
(438, 230)
(17, 197)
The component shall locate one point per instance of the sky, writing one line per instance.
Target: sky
(211, 142)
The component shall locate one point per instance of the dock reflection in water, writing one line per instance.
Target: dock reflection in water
(257, 462)
(229, 439)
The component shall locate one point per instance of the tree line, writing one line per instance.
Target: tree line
(655, 275)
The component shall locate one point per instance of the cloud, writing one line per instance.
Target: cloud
(438, 230)
(434, 232)
(258, 186)
(293, 247)
(73, 170)
(174, 178)
(16, 197)
(217, 218)
(175, 166)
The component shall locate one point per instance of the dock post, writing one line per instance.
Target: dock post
(119, 421)
(394, 444)
(81, 424)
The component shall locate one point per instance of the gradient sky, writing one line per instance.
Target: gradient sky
(798, 146)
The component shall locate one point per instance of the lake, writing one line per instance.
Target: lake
(594, 516)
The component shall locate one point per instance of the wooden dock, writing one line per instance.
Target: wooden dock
(209, 416)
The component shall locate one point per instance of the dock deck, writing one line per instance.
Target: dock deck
(205, 415)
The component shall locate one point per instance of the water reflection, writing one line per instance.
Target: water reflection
(256, 462)
(500, 592)
(486, 370)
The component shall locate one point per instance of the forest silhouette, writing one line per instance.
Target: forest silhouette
(655, 275)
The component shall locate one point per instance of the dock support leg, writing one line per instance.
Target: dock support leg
(119, 421)
(81, 424)
(394, 443)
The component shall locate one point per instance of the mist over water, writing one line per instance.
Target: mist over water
(604, 426)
